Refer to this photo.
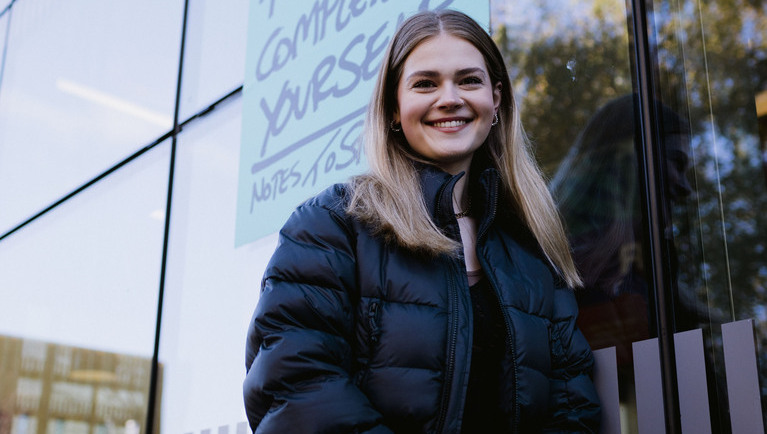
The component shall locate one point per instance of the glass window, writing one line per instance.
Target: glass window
(79, 290)
(86, 83)
(571, 72)
(565, 63)
(214, 54)
(712, 64)
(211, 286)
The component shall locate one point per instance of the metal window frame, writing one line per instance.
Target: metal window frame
(652, 180)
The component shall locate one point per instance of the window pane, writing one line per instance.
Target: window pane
(570, 69)
(86, 83)
(214, 54)
(565, 63)
(79, 303)
(211, 287)
(713, 76)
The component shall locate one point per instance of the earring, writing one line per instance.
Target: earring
(495, 120)
(395, 127)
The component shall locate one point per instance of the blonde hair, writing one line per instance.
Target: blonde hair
(389, 198)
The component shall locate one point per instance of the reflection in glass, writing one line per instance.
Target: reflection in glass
(711, 108)
(46, 387)
(568, 59)
(86, 273)
(712, 66)
(79, 305)
(598, 191)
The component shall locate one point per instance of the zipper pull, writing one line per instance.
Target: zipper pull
(373, 317)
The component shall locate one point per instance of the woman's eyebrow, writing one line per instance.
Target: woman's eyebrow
(427, 74)
(468, 71)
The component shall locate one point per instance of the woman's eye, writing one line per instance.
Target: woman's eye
(423, 83)
(472, 80)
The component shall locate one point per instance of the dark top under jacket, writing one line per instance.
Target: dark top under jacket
(355, 335)
(482, 412)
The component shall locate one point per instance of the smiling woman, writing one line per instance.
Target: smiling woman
(424, 242)
(446, 103)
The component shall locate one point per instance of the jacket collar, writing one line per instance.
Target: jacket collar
(437, 187)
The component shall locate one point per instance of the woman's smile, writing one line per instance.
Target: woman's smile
(448, 124)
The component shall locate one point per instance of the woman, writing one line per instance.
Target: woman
(431, 294)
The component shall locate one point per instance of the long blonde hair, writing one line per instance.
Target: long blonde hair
(389, 198)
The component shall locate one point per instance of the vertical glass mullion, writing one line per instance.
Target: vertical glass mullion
(651, 181)
(153, 402)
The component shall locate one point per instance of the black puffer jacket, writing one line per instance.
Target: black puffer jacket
(354, 335)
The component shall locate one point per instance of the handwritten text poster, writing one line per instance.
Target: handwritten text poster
(310, 70)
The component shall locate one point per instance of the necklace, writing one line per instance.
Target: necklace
(464, 213)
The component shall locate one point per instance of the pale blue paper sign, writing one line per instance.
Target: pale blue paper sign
(310, 70)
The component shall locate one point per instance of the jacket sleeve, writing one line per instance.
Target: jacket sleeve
(574, 400)
(298, 353)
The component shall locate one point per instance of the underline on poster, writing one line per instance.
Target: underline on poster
(259, 165)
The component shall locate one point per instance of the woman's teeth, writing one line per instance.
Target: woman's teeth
(449, 124)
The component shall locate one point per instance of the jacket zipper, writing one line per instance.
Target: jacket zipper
(510, 346)
(451, 357)
(507, 322)
(445, 401)
(374, 315)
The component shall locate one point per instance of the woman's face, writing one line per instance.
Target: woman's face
(446, 101)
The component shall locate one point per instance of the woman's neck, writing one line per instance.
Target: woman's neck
(461, 198)
(466, 222)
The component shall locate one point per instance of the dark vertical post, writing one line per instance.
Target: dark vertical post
(650, 170)
(153, 386)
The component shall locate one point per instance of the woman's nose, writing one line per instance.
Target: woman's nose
(449, 98)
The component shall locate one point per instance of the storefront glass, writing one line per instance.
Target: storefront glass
(712, 71)
(571, 64)
(575, 66)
